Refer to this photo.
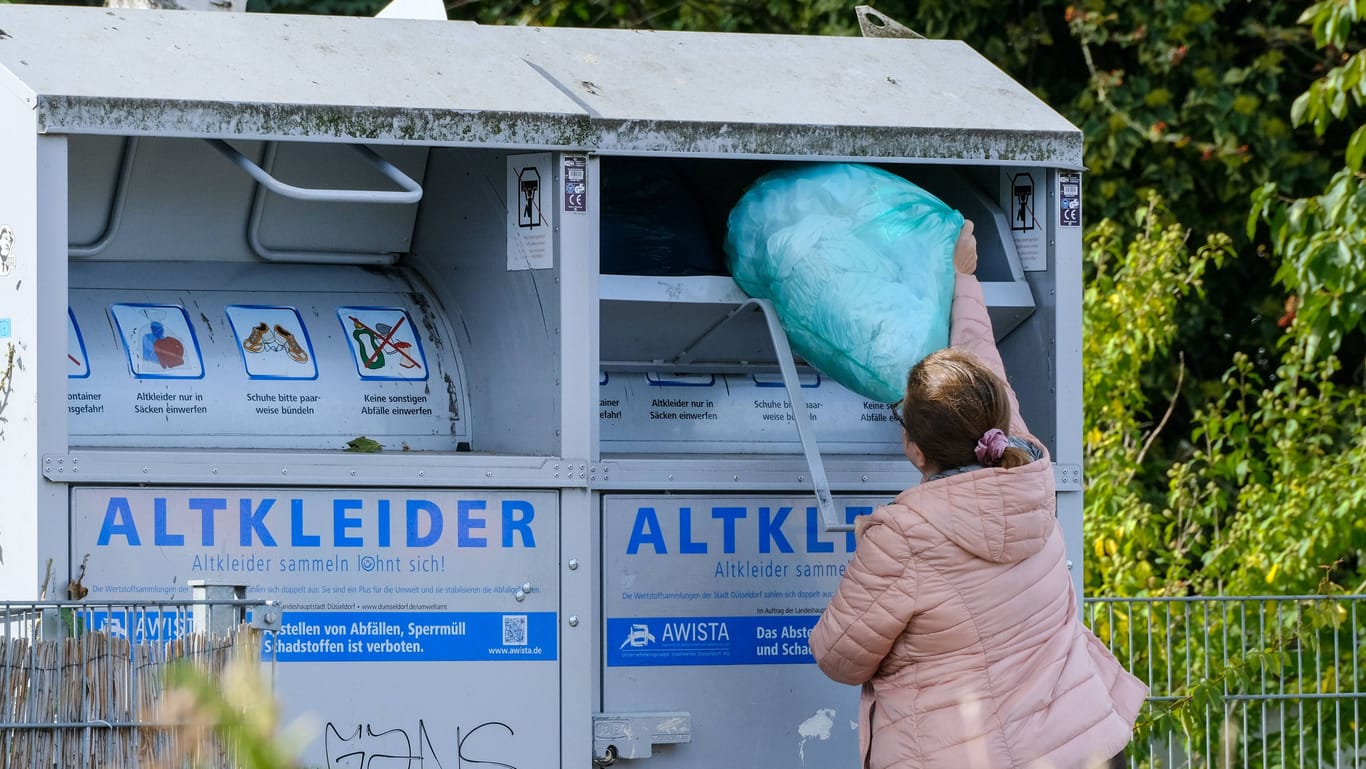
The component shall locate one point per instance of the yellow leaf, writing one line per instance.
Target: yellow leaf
(1271, 574)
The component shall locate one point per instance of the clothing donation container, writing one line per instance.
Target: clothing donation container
(423, 329)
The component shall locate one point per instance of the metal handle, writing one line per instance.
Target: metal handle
(411, 193)
(825, 502)
(116, 204)
(820, 485)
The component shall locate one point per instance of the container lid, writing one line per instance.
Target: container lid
(272, 76)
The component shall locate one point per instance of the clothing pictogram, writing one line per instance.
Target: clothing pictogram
(160, 341)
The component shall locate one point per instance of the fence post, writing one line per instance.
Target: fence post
(212, 617)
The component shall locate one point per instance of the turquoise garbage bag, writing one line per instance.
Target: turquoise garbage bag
(858, 263)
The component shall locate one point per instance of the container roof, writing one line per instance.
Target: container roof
(269, 76)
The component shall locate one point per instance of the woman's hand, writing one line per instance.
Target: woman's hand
(860, 523)
(965, 250)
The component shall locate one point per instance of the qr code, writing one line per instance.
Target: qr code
(514, 630)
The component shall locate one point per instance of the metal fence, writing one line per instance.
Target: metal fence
(83, 684)
(1262, 681)
(1265, 681)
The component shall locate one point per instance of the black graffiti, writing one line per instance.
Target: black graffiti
(369, 748)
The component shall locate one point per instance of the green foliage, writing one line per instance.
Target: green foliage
(1131, 301)
(1277, 468)
(1321, 239)
(234, 711)
(1322, 243)
(364, 445)
(1254, 489)
(1188, 100)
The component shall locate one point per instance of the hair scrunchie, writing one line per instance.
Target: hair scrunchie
(990, 447)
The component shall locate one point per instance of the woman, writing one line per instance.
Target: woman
(957, 614)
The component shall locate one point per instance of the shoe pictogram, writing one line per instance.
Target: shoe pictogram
(257, 341)
(292, 348)
(275, 343)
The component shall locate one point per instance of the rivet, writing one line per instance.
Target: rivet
(214, 471)
(573, 620)
(735, 477)
(144, 471)
(573, 564)
(421, 473)
(488, 474)
(526, 587)
(801, 479)
(865, 479)
(284, 471)
(353, 473)
(519, 595)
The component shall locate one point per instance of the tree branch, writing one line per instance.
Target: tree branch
(1171, 406)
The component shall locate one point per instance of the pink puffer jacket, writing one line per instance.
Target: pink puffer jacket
(957, 616)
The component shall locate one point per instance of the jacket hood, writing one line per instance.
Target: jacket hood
(996, 514)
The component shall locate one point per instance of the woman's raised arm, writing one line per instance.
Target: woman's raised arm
(970, 324)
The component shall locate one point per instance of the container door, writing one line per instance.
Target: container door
(709, 601)
(419, 625)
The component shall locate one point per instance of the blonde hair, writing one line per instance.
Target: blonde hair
(952, 399)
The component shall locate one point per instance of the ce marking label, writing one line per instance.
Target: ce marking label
(576, 184)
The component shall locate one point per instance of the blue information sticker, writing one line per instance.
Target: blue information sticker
(654, 641)
(369, 636)
(4, 328)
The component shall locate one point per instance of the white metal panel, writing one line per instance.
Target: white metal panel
(576, 220)
(295, 468)
(1065, 226)
(671, 77)
(199, 57)
(257, 356)
(431, 613)
(616, 91)
(509, 319)
(709, 600)
(32, 409)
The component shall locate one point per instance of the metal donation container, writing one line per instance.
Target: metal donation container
(423, 329)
